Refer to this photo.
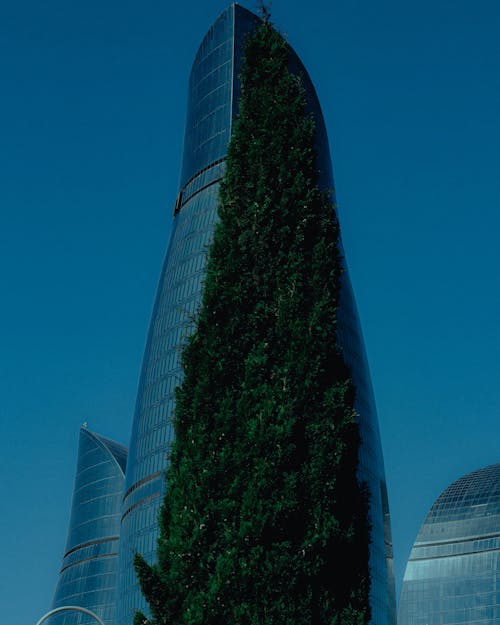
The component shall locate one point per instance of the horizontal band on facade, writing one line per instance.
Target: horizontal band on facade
(183, 198)
(89, 544)
(454, 541)
(202, 171)
(454, 555)
(140, 503)
(99, 557)
(140, 483)
(209, 184)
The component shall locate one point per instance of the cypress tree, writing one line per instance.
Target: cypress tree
(264, 521)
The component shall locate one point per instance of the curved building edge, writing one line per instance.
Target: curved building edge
(212, 103)
(451, 574)
(87, 577)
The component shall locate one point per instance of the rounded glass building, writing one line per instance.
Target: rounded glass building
(88, 574)
(451, 575)
(213, 95)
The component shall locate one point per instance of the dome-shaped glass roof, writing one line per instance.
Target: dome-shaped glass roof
(472, 503)
(451, 575)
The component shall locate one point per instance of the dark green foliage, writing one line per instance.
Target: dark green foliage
(264, 521)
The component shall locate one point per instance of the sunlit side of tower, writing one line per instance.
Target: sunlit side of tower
(212, 104)
(88, 574)
(453, 573)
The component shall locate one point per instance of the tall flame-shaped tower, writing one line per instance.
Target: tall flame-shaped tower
(212, 105)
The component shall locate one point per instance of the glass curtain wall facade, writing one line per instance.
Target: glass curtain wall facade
(213, 94)
(453, 573)
(88, 573)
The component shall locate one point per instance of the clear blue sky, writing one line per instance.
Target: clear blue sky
(92, 109)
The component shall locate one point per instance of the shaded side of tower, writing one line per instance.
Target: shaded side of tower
(88, 573)
(213, 94)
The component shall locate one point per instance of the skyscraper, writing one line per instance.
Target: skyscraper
(212, 105)
(88, 573)
(454, 567)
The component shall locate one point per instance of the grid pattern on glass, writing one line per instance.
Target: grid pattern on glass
(451, 575)
(175, 309)
(212, 100)
(209, 101)
(205, 143)
(88, 572)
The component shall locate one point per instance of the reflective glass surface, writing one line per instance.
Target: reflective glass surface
(212, 102)
(208, 127)
(451, 575)
(88, 573)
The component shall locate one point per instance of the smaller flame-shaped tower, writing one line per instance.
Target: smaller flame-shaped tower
(88, 573)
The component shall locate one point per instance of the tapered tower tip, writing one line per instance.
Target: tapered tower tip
(264, 9)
